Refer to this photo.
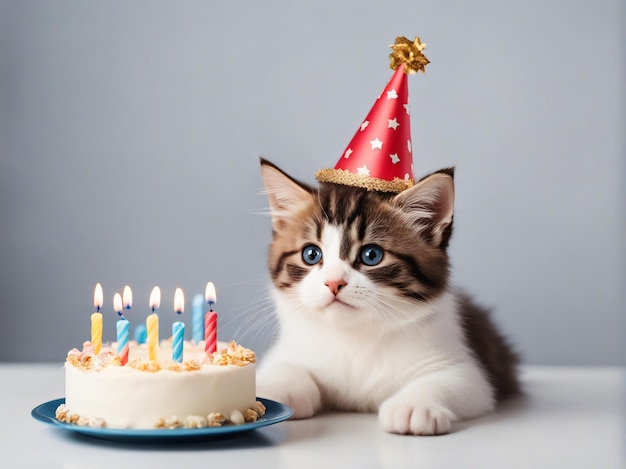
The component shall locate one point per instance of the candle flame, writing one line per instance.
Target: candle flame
(128, 297)
(209, 294)
(97, 297)
(117, 303)
(179, 301)
(155, 298)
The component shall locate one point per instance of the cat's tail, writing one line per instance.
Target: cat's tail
(497, 357)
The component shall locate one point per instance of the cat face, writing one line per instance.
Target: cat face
(346, 254)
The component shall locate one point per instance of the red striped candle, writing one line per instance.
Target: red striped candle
(210, 332)
(210, 320)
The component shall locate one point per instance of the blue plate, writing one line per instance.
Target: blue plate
(274, 412)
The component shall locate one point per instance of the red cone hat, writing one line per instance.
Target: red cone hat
(380, 155)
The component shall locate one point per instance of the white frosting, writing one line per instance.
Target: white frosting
(125, 397)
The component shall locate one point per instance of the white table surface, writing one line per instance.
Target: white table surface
(569, 418)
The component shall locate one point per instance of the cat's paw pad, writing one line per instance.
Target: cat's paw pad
(414, 419)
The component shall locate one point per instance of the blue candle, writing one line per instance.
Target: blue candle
(123, 335)
(123, 327)
(141, 334)
(178, 333)
(178, 328)
(197, 319)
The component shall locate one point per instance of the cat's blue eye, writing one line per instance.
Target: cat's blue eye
(371, 254)
(311, 254)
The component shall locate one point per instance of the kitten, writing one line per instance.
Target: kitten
(368, 321)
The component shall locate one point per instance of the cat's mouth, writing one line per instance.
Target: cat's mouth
(337, 302)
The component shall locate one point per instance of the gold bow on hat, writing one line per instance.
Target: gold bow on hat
(410, 54)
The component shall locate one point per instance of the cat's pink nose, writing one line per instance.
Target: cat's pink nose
(335, 285)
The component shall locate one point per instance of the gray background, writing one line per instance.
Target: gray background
(130, 136)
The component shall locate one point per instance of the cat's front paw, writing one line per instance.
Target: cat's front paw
(410, 418)
(295, 389)
(304, 406)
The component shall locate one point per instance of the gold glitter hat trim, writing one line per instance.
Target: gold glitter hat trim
(345, 177)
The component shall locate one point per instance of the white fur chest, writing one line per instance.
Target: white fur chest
(359, 368)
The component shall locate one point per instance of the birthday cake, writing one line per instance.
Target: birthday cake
(204, 390)
(129, 384)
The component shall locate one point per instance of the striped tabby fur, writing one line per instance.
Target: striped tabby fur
(368, 319)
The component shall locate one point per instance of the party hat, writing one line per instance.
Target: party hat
(379, 156)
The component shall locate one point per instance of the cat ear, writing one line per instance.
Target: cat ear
(286, 195)
(429, 205)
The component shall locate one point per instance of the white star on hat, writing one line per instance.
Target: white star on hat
(392, 123)
(392, 94)
(347, 153)
(376, 144)
(364, 125)
(394, 158)
(406, 108)
(363, 170)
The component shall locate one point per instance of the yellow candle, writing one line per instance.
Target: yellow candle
(152, 327)
(96, 320)
(96, 332)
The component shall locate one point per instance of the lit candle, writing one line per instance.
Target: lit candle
(178, 328)
(197, 318)
(210, 320)
(123, 328)
(152, 325)
(96, 320)
(127, 297)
